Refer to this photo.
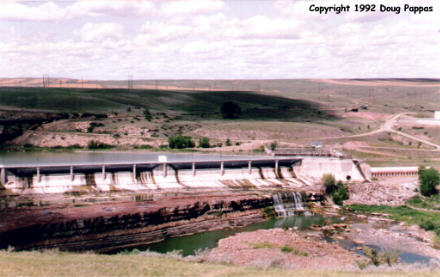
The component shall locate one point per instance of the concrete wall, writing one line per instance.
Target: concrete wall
(306, 173)
(315, 168)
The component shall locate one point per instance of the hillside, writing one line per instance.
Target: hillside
(349, 114)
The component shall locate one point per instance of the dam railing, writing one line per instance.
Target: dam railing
(308, 151)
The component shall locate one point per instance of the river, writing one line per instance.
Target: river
(41, 158)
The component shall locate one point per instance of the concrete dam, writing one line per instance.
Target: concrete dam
(205, 195)
(241, 173)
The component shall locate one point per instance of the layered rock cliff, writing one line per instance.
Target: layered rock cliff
(112, 226)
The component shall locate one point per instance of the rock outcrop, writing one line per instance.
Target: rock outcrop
(109, 227)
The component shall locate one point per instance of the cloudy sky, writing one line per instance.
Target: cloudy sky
(214, 39)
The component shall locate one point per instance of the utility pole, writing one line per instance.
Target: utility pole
(46, 81)
(130, 82)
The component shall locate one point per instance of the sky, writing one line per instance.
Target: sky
(215, 39)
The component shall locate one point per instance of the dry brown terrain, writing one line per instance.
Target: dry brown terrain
(263, 248)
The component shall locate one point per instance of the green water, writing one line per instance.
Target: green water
(189, 244)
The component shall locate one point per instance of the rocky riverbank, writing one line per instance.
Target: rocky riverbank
(111, 226)
(281, 248)
(386, 193)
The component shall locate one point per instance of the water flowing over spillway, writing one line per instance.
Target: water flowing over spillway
(287, 203)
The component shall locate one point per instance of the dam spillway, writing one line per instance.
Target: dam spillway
(237, 172)
(147, 175)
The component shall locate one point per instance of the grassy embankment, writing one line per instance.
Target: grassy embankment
(428, 220)
(68, 264)
(188, 104)
(173, 112)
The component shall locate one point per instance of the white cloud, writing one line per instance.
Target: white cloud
(50, 11)
(170, 40)
(14, 11)
(186, 8)
(100, 31)
(113, 8)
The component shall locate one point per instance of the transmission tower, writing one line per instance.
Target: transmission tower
(46, 80)
(130, 82)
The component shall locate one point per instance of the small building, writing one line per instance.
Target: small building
(317, 144)
(437, 115)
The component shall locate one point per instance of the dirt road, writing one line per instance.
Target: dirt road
(387, 126)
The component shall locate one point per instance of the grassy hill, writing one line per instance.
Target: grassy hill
(52, 263)
(291, 111)
(200, 104)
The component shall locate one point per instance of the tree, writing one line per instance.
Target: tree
(147, 114)
(273, 146)
(340, 194)
(228, 142)
(329, 183)
(230, 110)
(428, 179)
(180, 142)
(204, 142)
(94, 144)
(337, 190)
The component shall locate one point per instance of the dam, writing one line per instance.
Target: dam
(233, 172)
(110, 205)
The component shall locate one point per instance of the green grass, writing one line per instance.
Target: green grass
(204, 105)
(432, 203)
(263, 244)
(287, 249)
(53, 263)
(54, 100)
(33, 148)
(427, 220)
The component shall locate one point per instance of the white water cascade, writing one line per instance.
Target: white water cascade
(287, 203)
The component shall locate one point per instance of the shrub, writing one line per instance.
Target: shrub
(147, 114)
(259, 149)
(340, 194)
(228, 142)
(427, 224)
(230, 110)
(93, 144)
(377, 258)
(429, 179)
(329, 183)
(180, 142)
(204, 142)
(92, 126)
(273, 145)
(337, 190)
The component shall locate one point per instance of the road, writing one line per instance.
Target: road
(387, 126)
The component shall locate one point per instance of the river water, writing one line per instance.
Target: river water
(189, 244)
